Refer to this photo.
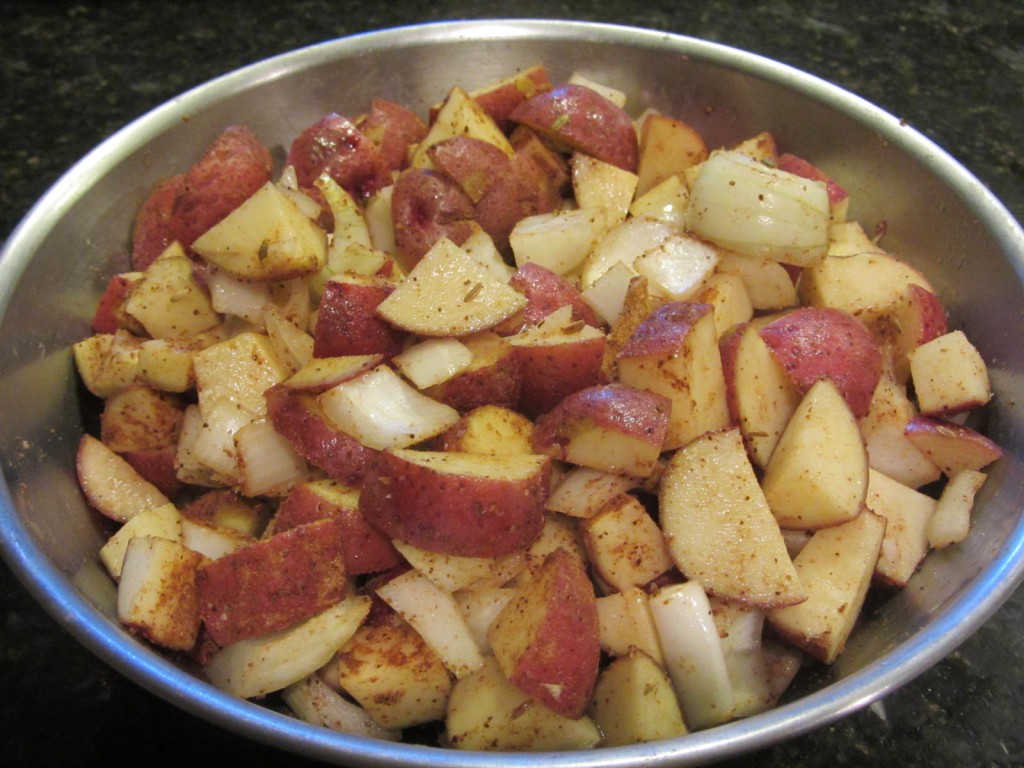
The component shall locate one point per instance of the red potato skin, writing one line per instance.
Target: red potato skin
(930, 312)
(334, 145)
(157, 465)
(615, 407)
(426, 206)
(584, 121)
(394, 129)
(347, 321)
(451, 514)
(972, 448)
(812, 343)
(664, 329)
(556, 178)
(800, 167)
(364, 548)
(152, 231)
(552, 372)
(566, 646)
(500, 382)
(499, 101)
(475, 165)
(297, 416)
(209, 507)
(108, 317)
(487, 176)
(382, 614)
(272, 583)
(546, 291)
(727, 347)
(234, 167)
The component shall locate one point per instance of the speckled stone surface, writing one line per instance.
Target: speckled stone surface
(72, 73)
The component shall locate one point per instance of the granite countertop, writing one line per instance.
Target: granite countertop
(73, 72)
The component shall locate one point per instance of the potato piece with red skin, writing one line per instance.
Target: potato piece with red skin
(668, 147)
(582, 120)
(546, 291)
(298, 417)
(152, 231)
(364, 548)
(393, 128)
(457, 503)
(157, 465)
(489, 429)
(546, 638)
(426, 206)
(819, 342)
(953, 447)
(760, 394)
(272, 583)
(499, 99)
(141, 417)
(553, 371)
(335, 146)
(474, 164)
(110, 316)
(674, 351)
(494, 376)
(235, 166)
(543, 169)
(224, 508)
(915, 317)
(610, 427)
(486, 175)
(347, 322)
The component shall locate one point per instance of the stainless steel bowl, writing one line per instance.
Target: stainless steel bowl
(54, 267)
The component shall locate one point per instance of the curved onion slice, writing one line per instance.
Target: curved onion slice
(744, 205)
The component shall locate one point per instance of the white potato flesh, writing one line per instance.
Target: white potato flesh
(449, 293)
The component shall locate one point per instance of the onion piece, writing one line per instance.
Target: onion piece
(313, 700)
(744, 205)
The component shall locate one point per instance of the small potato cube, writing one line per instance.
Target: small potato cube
(487, 712)
(546, 637)
(835, 567)
(163, 521)
(490, 430)
(907, 513)
(597, 184)
(107, 362)
(949, 375)
(626, 546)
(157, 595)
(394, 675)
(166, 365)
(169, 301)
(674, 352)
(140, 417)
(634, 702)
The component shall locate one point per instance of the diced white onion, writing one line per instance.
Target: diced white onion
(744, 205)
